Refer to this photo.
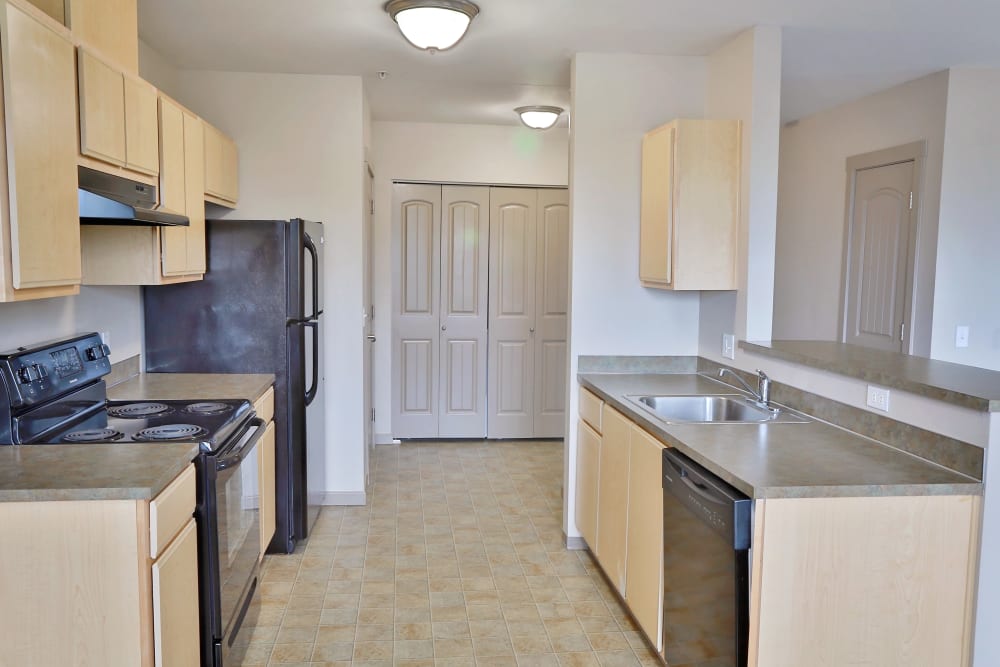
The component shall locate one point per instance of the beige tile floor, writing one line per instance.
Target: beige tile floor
(457, 560)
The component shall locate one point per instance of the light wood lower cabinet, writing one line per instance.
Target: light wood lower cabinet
(267, 497)
(175, 602)
(39, 214)
(588, 464)
(887, 581)
(863, 581)
(644, 542)
(612, 510)
(79, 586)
(264, 407)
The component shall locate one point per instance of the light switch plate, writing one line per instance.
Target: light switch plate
(961, 336)
(729, 346)
(878, 398)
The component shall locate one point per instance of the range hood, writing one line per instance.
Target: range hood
(114, 200)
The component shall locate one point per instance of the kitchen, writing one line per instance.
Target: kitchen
(271, 116)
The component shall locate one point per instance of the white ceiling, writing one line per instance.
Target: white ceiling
(518, 51)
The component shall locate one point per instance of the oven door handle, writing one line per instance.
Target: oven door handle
(248, 439)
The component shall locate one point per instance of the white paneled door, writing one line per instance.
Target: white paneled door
(879, 271)
(551, 305)
(416, 217)
(479, 324)
(464, 259)
(513, 239)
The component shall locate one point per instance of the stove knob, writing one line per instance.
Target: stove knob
(42, 373)
(23, 376)
(29, 374)
(98, 352)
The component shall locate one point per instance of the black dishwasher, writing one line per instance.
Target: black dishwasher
(706, 590)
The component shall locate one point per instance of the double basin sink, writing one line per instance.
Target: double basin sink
(713, 410)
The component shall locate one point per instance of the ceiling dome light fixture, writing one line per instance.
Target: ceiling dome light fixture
(432, 25)
(539, 117)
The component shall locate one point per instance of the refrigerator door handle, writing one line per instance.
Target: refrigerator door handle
(314, 385)
(311, 249)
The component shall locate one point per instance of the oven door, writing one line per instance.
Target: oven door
(237, 511)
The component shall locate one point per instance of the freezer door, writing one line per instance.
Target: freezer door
(312, 242)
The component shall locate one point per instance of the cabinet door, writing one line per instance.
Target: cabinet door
(39, 90)
(612, 511)
(267, 493)
(551, 307)
(513, 231)
(644, 552)
(656, 227)
(588, 464)
(142, 136)
(221, 166)
(102, 110)
(194, 192)
(172, 196)
(175, 602)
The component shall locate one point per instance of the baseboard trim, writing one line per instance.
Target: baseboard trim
(383, 439)
(575, 543)
(343, 498)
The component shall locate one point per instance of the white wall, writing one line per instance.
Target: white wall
(811, 195)
(302, 155)
(617, 99)
(153, 67)
(115, 310)
(967, 289)
(744, 82)
(441, 152)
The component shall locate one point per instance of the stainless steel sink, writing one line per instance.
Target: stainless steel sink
(712, 410)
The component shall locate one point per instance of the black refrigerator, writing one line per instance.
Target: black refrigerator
(259, 309)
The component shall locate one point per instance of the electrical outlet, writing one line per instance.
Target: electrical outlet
(878, 398)
(729, 346)
(961, 336)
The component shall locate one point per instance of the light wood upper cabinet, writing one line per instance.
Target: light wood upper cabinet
(588, 464)
(221, 168)
(194, 193)
(40, 224)
(690, 205)
(644, 552)
(612, 510)
(118, 119)
(142, 132)
(108, 27)
(102, 109)
(172, 196)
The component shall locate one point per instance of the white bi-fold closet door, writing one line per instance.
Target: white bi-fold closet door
(480, 288)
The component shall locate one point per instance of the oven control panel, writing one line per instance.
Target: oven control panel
(32, 375)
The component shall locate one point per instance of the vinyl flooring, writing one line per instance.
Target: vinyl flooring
(458, 559)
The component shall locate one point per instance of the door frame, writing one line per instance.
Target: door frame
(915, 152)
(368, 293)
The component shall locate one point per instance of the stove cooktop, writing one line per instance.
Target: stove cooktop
(209, 423)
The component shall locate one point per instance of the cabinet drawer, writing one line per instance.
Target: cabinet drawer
(264, 406)
(170, 510)
(175, 602)
(590, 408)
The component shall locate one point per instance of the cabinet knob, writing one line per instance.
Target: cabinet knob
(531, 330)
(370, 338)
(444, 327)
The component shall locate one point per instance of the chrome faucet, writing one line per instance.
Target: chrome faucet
(763, 391)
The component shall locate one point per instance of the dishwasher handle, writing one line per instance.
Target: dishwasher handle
(715, 503)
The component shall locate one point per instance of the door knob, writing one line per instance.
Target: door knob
(531, 330)
(370, 338)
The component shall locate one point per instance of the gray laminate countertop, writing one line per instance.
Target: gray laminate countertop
(966, 386)
(194, 386)
(119, 471)
(778, 460)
